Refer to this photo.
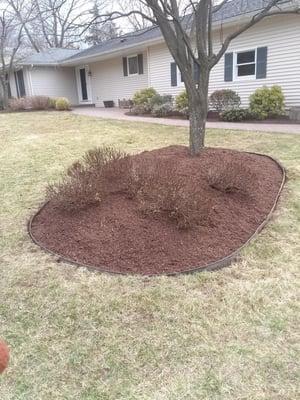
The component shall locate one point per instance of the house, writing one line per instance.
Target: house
(266, 54)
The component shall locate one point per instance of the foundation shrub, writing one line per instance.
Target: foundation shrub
(144, 96)
(162, 192)
(237, 115)
(62, 104)
(224, 100)
(159, 100)
(17, 104)
(140, 109)
(162, 110)
(52, 102)
(38, 102)
(267, 102)
(182, 103)
(231, 177)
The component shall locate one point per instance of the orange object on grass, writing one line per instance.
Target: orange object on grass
(4, 356)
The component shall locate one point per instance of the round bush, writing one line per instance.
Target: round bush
(144, 96)
(223, 100)
(62, 104)
(182, 103)
(267, 102)
(162, 110)
(236, 115)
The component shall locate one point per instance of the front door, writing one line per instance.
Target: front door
(83, 85)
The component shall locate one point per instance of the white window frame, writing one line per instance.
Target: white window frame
(236, 65)
(179, 81)
(137, 60)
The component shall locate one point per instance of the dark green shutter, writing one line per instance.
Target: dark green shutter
(262, 60)
(125, 68)
(173, 74)
(141, 63)
(196, 71)
(228, 67)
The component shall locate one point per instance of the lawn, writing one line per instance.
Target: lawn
(75, 334)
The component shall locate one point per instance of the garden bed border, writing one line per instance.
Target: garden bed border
(214, 266)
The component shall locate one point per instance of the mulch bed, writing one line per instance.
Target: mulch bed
(115, 237)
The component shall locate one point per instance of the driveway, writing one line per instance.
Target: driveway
(119, 114)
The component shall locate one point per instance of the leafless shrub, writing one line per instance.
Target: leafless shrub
(38, 102)
(162, 191)
(17, 104)
(102, 171)
(231, 176)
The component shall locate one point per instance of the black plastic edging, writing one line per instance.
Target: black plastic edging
(214, 266)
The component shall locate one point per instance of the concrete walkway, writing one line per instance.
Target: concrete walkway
(119, 114)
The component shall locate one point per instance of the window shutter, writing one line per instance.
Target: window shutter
(261, 67)
(196, 71)
(125, 68)
(141, 63)
(228, 67)
(173, 74)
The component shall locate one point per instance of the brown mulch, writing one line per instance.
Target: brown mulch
(116, 237)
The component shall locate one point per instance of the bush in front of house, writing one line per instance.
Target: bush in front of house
(148, 101)
(30, 103)
(182, 103)
(144, 96)
(62, 104)
(162, 110)
(267, 102)
(38, 102)
(237, 115)
(159, 99)
(52, 102)
(224, 100)
(17, 104)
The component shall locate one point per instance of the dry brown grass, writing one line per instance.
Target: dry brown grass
(75, 334)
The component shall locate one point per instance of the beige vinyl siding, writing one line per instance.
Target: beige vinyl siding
(282, 37)
(54, 82)
(109, 82)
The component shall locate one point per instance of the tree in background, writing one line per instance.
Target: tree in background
(100, 30)
(11, 38)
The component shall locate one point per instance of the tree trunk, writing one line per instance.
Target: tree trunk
(197, 127)
(198, 108)
(5, 99)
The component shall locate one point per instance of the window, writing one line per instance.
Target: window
(133, 65)
(245, 64)
(19, 78)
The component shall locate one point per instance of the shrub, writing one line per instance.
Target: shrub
(140, 109)
(162, 192)
(162, 110)
(267, 102)
(158, 100)
(236, 115)
(144, 96)
(17, 104)
(62, 104)
(224, 100)
(52, 102)
(231, 176)
(182, 103)
(38, 102)
(88, 182)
